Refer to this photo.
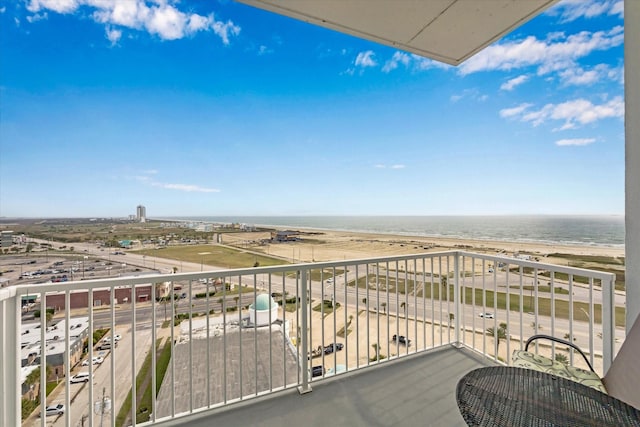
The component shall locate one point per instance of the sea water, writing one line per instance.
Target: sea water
(568, 230)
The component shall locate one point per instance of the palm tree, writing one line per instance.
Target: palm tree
(562, 358)
(376, 348)
(499, 334)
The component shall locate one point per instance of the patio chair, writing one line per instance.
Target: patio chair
(622, 381)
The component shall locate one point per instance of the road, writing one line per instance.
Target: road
(120, 360)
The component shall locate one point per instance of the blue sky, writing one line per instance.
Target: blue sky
(215, 108)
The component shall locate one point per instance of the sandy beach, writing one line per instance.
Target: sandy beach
(323, 245)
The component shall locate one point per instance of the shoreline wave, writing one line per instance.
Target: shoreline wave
(570, 230)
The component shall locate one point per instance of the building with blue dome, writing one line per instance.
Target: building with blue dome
(263, 311)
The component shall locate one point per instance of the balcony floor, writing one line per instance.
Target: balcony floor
(418, 390)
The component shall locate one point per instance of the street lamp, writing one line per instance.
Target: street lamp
(202, 254)
(102, 406)
(83, 260)
(123, 267)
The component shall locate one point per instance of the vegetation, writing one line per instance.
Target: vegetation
(498, 334)
(562, 358)
(28, 405)
(327, 307)
(342, 333)
(589, 258)
(143, 385)
(220, 256)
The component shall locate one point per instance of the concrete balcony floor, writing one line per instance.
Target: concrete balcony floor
(417, 390)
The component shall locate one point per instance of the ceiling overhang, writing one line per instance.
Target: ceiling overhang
(449, 31)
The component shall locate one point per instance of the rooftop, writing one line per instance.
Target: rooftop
(406, 393)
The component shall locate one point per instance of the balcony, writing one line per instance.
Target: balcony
(372, 341)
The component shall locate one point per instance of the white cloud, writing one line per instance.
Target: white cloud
(189, 188)
(60, 6)
(573, 113)
(396, 166)
(575, 141)
(113, 35)
(36, 17)
(365, 59)
(396, 59)
(225, 29)
(3, 9)
(579, 76)
(556, 53)
(412, 61)
(473, 94)
(570, 10)
(515, 111)
(157, 17)
(512, 83)
(186, 187)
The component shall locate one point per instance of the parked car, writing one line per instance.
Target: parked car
(402, 340)
(106, 345)
(54, 410)
(96, 361)
(486, 315)
(80, 377)
(328, 349)
(116, 338)
(317, 371)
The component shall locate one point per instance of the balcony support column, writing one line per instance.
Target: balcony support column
(10, 392)
(632, 157)
(608, 324)
(305, 387)
(456, 298)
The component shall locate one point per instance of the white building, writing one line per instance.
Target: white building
(141, 213)
(263, 311)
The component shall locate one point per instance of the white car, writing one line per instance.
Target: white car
(116, 338)
(486, 315)
(81, 377)
(96, 361)
(54, 410)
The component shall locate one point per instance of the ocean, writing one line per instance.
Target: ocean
(568, 230)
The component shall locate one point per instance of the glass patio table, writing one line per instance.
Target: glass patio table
(510, 396)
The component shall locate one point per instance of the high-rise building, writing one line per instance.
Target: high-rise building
(141, 213)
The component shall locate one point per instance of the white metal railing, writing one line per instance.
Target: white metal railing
(330, 318)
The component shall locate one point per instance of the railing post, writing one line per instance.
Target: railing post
(10, 410)
(608, 323)
(305, 387)
(456, 297)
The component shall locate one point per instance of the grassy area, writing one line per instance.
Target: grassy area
(28, 406)
(589, 258)
(557, 290)
(499, 300)
(620, 274)
(327, 273)
(326, 307)
(143, 384)
(219, 256)
(71, 230)
(383, 283)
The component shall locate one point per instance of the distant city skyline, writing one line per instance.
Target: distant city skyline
(216, 108)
